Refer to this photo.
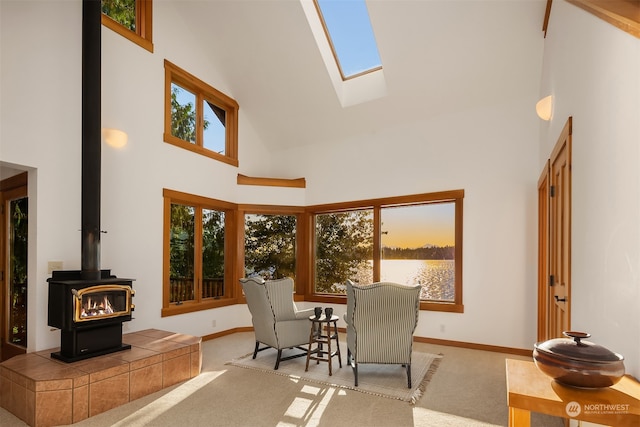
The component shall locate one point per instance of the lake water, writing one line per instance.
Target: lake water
(437, 277)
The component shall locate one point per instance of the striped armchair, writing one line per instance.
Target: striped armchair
(381, 318)
(277, 322)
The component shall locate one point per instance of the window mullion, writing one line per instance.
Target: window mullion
(199, 119)
(197, 265)
(377, 245)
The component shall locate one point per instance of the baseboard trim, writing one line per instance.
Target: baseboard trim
(461, 344)
(227, 332)
(476, 346)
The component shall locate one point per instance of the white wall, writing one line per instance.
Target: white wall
(593, 69)
(494, 152)
(41, 132)
(489, 151)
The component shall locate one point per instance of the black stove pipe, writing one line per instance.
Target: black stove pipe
(91, 138)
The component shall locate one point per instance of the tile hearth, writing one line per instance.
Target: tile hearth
(43, 391)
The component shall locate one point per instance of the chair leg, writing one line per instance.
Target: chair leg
(355, 373)
(409, 375)
(354, 366)
(278, 360)
(255, 352)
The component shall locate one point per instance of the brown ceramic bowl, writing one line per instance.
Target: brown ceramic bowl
(577, 363)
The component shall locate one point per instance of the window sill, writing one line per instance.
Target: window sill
(424, 305)
(128, 34)
(191, 307)
(199, 150)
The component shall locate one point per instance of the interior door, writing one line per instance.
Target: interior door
(14, 213)
(556, 309)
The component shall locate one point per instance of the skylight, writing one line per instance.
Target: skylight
(364, 86)
(348, 29)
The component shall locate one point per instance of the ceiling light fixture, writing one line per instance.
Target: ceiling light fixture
(544, 108)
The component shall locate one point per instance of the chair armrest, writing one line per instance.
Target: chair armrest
(304, 314)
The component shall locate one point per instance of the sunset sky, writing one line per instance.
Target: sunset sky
(416, 226)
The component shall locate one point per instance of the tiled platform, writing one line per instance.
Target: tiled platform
(47, 392)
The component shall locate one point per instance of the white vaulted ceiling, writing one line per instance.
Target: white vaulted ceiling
(438, 57)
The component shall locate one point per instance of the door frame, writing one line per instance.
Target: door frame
(549, 241)
(10, 188)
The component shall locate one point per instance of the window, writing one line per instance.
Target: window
(197, 236)
(350, 35)
(418, 247)
(198, 117)
(409, 239)
(343, 249)
(130, 19)
(270, 246)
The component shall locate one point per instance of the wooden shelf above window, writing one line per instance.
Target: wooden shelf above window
(272, 182)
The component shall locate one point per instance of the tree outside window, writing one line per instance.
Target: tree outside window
(270, 246)
(121, 11)
(131, 19)
(343, 249)
(182, 253)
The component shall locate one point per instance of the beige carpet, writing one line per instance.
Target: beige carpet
(380, 380)
(468, 390)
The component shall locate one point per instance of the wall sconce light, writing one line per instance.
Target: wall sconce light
(114, 137)
(544, 108)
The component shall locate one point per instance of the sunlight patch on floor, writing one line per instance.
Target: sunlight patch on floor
(156, 408)
(308, 411)
(427, 417)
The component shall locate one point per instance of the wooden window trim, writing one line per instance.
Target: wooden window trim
(456, 196)
(624, 14)
(230, 275)
(234, 244)
(143, 36)
(175, 74)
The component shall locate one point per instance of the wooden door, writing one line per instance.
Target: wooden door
(554, 310)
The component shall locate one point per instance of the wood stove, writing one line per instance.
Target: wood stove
(89, 313)
(89, 305)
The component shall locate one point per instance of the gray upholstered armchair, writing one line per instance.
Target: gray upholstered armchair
(381, 318)
(277, 322)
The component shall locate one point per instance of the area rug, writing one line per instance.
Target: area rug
(381, 380)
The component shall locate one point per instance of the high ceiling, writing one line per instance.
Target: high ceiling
(438, 57)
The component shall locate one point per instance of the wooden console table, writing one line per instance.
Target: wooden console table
(528, 390)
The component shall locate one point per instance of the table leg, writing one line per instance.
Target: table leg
(329, 346)
(335, 329)
(519, 417)
(311, 340)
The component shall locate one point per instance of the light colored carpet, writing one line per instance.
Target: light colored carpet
(467, 390)
(380, 380)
